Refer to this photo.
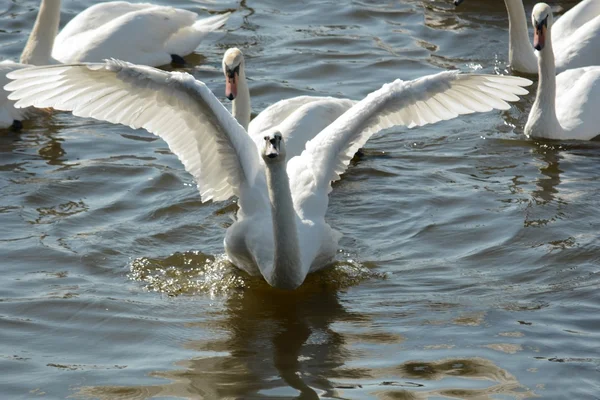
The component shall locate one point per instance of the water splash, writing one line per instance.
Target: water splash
(194, 272)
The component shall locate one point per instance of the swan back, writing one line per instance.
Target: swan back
(142, 33)
(578, 103)
(575, 18)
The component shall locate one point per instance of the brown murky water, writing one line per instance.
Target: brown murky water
(469, 266)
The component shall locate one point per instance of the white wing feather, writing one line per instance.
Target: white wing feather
(212, 146)
(422, 101)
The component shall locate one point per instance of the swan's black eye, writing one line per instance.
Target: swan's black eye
(266, 138)
(231, 72)
(542, 23)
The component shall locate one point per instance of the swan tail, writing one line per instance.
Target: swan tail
(211, 23)
(187, 39)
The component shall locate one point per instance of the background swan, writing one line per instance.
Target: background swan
(566, 106)
(576, 33)
(298, 119)
(9, 115)
(142, 33)
(280, 231)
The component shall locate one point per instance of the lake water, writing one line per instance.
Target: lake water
(469, 266)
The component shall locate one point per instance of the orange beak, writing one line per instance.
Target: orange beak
(539, 37)
(231, 86)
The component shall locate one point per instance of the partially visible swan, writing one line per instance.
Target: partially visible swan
(577, 37)
(142, 33)
(9, 115)
(280, 231)
(298, 119)
(566, 106)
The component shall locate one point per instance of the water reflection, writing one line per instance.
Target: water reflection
(305, 345)
(549, 179)
(278, 342)
(471, 371)
(271, 344)
(41, 133)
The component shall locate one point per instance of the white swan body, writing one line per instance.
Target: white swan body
(298, 119)
(280, 231)
(141, 33)
(567, 106)
(576, 33)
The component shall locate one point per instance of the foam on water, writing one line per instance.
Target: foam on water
(194, 272)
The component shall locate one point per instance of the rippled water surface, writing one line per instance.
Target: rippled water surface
(468, 267)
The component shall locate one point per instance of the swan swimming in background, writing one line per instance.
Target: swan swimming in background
(298, 119)
(142, 33)
(566, 106)
(9, 115)
(280, 230)
(576, 33)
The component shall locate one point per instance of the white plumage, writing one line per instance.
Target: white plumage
(280, 231)
(140, 33)
(567, 105)
(576, 33)
(8, 113)
(298, 119)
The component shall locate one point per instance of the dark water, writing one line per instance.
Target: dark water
(469, 267)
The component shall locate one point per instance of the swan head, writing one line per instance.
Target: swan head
(233, 63)
(457, 2)
(273, 149)
(541, 18)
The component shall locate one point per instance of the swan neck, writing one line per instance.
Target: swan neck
(542, 117)
(520, 52)
(287, 271)
(38, 49)
(546, 94)
(241, 103)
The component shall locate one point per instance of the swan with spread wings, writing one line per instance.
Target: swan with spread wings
(280, 230)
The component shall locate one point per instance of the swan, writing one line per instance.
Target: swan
(566, 106)
(9, 115)
(298, 119)
(142, 33)
(280, 230)
(577, 37)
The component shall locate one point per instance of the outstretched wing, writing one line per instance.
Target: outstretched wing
(419, 102)
(422, 101)
(212, 146)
